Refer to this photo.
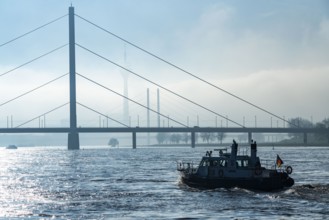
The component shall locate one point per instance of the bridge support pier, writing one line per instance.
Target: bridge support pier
(73, 141)
(134, 140)
(305, 138)
(193, 139)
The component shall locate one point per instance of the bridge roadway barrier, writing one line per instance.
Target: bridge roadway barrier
(192, 130)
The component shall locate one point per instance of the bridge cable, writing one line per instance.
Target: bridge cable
(43, 55)
(102, 114)
(156, 84)
(42, 115)
(185, 71)
(25, 93)
(29, 32)
(131, 100)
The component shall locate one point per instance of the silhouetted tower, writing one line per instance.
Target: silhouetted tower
(158, 107)
(148, 114)
(125, 76)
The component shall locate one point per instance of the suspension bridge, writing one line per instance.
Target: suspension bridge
(73, 130)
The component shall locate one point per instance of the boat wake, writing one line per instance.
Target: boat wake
(317, 192)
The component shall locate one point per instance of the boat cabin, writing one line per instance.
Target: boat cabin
(229, 164)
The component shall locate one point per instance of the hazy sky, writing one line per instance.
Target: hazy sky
(272, 53)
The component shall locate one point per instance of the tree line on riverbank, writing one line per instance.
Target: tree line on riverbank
(320, 138)
(218, 137)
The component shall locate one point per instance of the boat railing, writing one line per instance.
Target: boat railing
(243, 151)
(284, 169)
(268, 164)
(187, 167)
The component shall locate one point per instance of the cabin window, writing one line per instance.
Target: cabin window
(214, 163)
(204, 163)
(222, 163)
(242, 163)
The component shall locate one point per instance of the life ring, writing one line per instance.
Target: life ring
(289, 169)
(258, 170)
(220, 173)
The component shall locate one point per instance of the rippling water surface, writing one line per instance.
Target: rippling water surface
(41, 183)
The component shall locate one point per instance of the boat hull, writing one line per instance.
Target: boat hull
(254, 183)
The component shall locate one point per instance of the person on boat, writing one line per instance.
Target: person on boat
(208, 153)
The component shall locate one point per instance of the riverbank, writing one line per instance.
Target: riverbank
(243, 144)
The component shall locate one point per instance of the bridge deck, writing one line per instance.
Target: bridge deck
(163, 129)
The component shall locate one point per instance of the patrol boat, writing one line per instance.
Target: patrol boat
(228, 170)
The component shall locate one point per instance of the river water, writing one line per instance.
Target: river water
(123, 183)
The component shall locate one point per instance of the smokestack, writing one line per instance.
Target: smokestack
(148, 114)
(253, 152)
(125, 76)
(234, 152)
(148, 106)
(158, 96)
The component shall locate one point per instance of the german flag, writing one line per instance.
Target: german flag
(279, 162)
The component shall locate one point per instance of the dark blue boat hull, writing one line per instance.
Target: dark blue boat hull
(254, 183)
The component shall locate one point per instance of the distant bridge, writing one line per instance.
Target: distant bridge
(191, 130)
(73, 130)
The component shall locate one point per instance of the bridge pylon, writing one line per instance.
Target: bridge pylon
(73, 136)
